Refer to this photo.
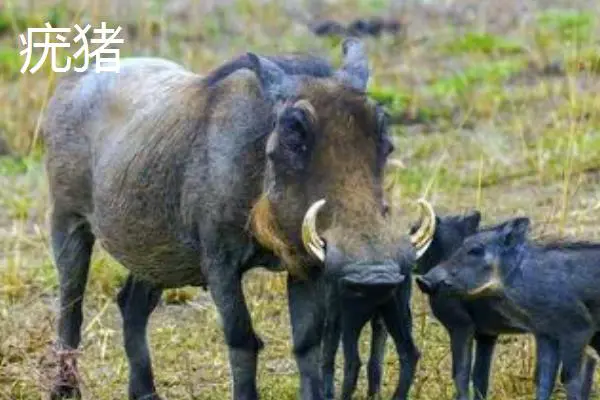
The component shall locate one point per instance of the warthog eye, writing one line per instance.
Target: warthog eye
(296, 138)
(476, 251)
(388, 147)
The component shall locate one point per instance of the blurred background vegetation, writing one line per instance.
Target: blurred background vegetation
(495, 105)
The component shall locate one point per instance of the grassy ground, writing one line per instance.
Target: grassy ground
(505, 116)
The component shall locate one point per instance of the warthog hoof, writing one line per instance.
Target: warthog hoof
(63, 391)
(153, 396)
(66, 384)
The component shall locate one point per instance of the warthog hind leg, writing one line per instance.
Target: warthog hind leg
(137, 299)
(72, 243)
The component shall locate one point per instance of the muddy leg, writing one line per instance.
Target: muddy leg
(72, 243)
(137, 300)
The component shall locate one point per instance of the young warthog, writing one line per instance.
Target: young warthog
(464, 320)
(190, 180)
(392, 312)
(549, 289)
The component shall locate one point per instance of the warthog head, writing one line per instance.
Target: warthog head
(322, 204)
(482, 264)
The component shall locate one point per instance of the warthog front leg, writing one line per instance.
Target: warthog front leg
(589, 368)
(546, 369)
(331, 341)
(225, 286)
(137, 299)
(572, 354)
(72, 243)
(483, 361)
(307, 313)
(398, 320)
(461, 343)
(352, 326)
(374, 372)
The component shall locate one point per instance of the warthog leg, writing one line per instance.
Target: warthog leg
(307, 314)
(331, 341)
(588, 370)
(461, 344)
(225, 286)
(353, 324)
(137, 299)
(547, 362)
(590, 367)
(378, 339)
(72, 243)
(572, 354)
(398, 321)
(483, 362)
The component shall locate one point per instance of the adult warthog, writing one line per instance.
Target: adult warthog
(191, 180)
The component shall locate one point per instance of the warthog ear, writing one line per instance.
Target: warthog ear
(514, 232)
(272, 78)
(355, 67)
(471, 222)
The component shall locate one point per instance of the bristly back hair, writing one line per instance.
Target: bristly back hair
(293, 64)
(565, 244)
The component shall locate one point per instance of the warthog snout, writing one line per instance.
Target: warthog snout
(377, 280)
(431, 282)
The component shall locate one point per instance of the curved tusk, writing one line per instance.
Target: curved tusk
(423, 237)
(313, 243)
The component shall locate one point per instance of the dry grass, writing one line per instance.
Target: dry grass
(508, 93)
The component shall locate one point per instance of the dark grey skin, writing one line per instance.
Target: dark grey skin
(552, 290)
(465, 321)
(167, 170)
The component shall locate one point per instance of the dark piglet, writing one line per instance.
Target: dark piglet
(466, 321)
(390, 314)
(551, 289)
(192, 180)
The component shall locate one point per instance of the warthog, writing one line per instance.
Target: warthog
(191, 180)
(464, 320)
(548, 289)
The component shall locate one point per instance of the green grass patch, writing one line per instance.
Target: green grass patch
(10, 62)
(488, 72)
(587, 60)
(107, 276)
(567, 25)
(372, 6)
(10, 166)
(414, 180)
(19, 279)
(403, 107)
(485, 43)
